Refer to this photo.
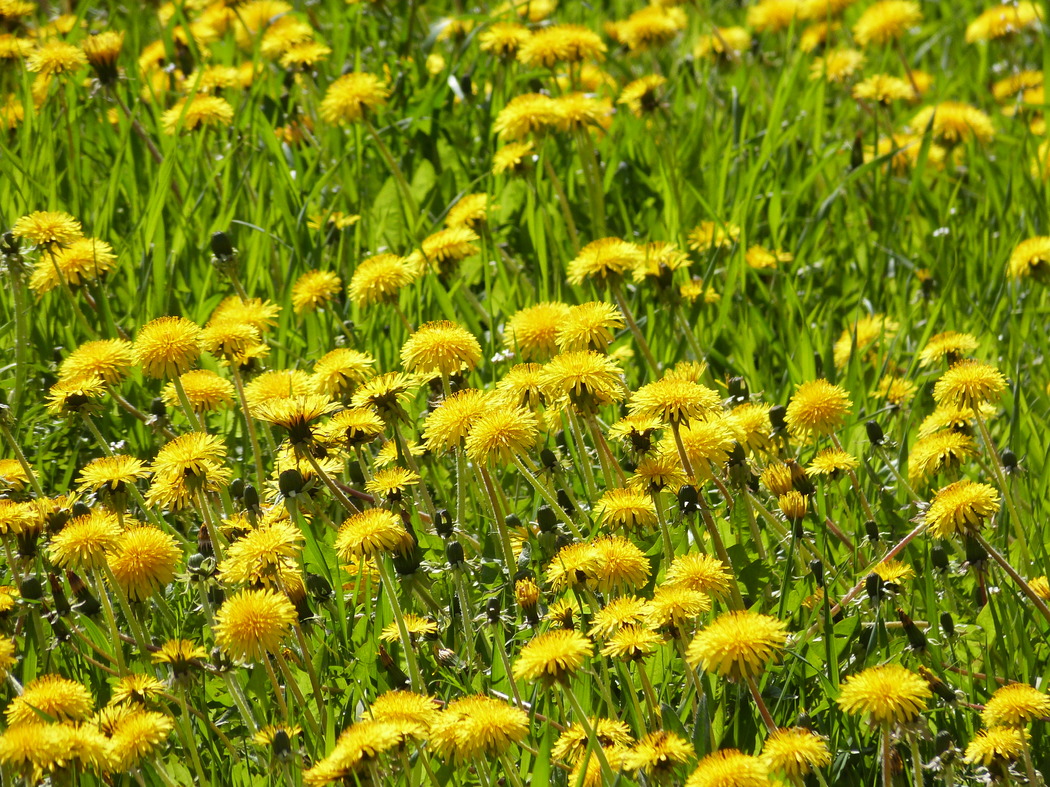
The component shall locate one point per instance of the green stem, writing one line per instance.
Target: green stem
(583, 721)
(551, 499)
(1018, 580)
(617, 290)
(386, 575)
(411, 208)
(17, 450)
(1000, 477)
(253, 435)
(187, 408)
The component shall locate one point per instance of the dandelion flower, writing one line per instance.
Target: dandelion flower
(503, 39)
(953, 123)
(1031, 257)
(730, 768)
(450, 245)
(1014, 705)
(352, 97)
(817, 408)
(674, 401)
(529, 113)
(440, 348)
(205, 390)
(572, 743)
(938, 453)
(513, 157)
(167, 346)
(54, 58)
(79, 261)
(886, 21)
(658, 754)
(888, 694)
(449, 423)
(1002, 20)
(950, 345)
(588, 379)
(837, 65)
(552, 657)
(107, 359)
(314, 290)
(84, 541)
(143, 561)
(631, 643)
(533, 331)
(415, 625)
(74, 395)
(387, 393)
(477, 726)
(561, 44)
(619, 564)
(57, 697)
(998, 745)
(674, 606)
(252, 623)
(138, 735)
(795, 752)
(626, 508)
(574, 564)
(701, 572)
(379, 279)
(413, 714)
(960, 508)
(604, 259)
(196, 112)
(643, 95)
(370, 533)
(500, 435)
(47, 228)
(135, 689)
(738, 644)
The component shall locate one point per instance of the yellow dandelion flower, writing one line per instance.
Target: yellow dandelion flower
(315, 290)
(998, 745)
(47, 228)
(1014, 705)
(379, 279)
(440, 348)
(167, 346)
(730, 768)
(552, 657)
(837, 65)
(817, 408)
(252, 623)
(675, 606)
(353, 97)
(626, 508)
(1003, 20)
(953, 123)
(477, 726)
(621, 611)
(60, 698)
(619, 564)
(658, 754)
(370, 533)
(337, 373)
(950, 345)
(888, 694)
(84, 541)
(514, 157)
(449, 423)
(561, 44)
(529, 113)
(738, 644)
(960, 508)
(501, 434)
(143, 560)
(417, 627)
(643, 95)
(886, 21)
(1030, 257)
(54, 58)
(79, 261)
(604, 259)
(205, 390)
(795, 752)
(700, 572)
(533, 331)
(969, 384)
(571, 746)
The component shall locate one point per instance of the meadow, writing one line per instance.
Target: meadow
(524, 393)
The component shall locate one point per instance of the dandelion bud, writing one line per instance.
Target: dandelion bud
(546, 519)
(938, 686)
(58, 596)
(281, 744)
(512, 521)
(688, 500)
(916, 639)
(525, 558)
(80, 509)
(777, 418)
(87, 604)
(157, 408)
(817, 567)
(939, 557)
(60, 630)
(945, 742)
(800, 479)
(31, 588)
(1009, 461)
(871, 528)
(875, 434)
(492, 611)
(947, 624)
(250, 498)
(803, 719)
(738, 390)
(565, 503)
(873, 587)
(454, 554)
(976, 555)
(237, 488)
(221, 246)
(290, 483)
(548, 459)
(443, 523)
(319, 587)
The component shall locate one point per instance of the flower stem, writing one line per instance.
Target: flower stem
(187, 408)
(1000, 477)
(997, 556)
(386, 575)
(253, 435)
(552, 499)
(763, 709)
(411, 206)
(639, 337)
